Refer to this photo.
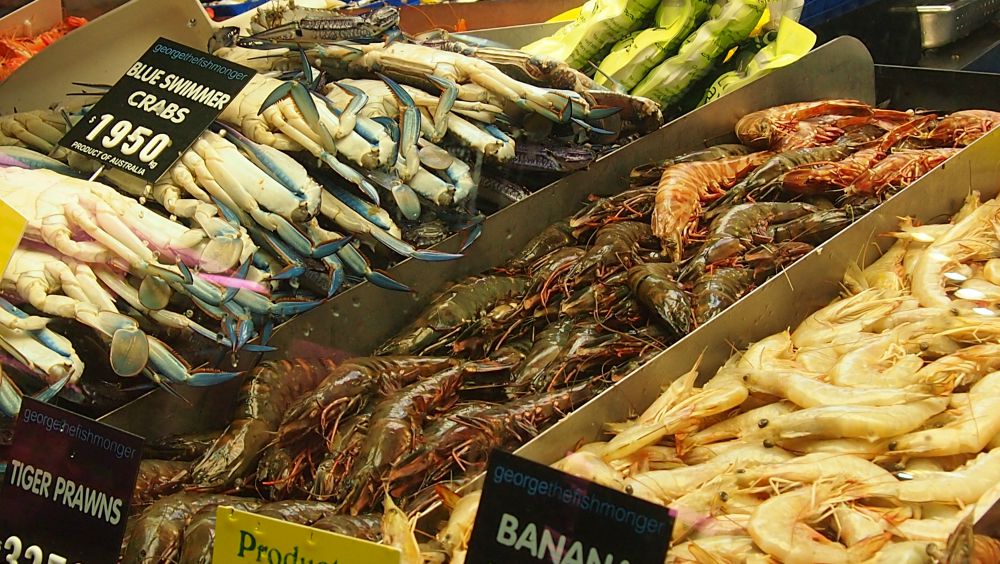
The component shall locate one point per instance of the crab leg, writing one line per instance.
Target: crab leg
(357, 262)
(449, 94)
(353, 222)
(224, 160)
(228, 187)
(404, 196)
(281, 167)
(32, 129)
(44, 352)
(14, 318)
(37, 276)
(164, 362)
(167, 318)
(409, 128)
(10, 394)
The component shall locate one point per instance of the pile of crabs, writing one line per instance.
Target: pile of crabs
(350, 149)
(496, 357)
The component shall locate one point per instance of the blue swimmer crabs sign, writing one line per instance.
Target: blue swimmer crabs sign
(158, 109)
(532, 513)
(68, 486)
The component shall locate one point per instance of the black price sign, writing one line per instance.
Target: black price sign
(530, 512)
(67, 490)
(157, 110)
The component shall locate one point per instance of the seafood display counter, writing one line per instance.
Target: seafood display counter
(796, 292)
(586, 318)
(840, 69)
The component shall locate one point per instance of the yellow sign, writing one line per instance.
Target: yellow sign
(567, 16)
(244, 537)
(12, 226)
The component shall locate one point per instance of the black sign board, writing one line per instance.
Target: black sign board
(532, 513)
(68, 487)
(157, 110)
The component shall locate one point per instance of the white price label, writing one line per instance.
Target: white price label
(131, 139)
(13, 551)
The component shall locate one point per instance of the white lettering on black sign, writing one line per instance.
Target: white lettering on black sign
(157, 109)
(69, 471)
(531, 512)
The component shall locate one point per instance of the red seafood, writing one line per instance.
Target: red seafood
(819, 177)
(769, 128)
(683, 187)
(962, 128)
(898, 170)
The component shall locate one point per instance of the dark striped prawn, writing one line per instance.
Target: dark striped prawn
(394, 429)
(468, 435)
(349, 386)
(263, 399)
(451, 311)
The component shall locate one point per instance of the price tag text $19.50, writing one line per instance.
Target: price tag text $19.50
(13, 551)
(139, 140)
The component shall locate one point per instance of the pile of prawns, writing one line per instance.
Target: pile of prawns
(869, 433)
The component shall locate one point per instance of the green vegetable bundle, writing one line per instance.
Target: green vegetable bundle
(668, 82)
(601, 23)
(631, 58)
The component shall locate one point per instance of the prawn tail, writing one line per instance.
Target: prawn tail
(867, 547)
(448, 496)
(702, 556)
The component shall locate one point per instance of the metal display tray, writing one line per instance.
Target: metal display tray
(356, 321)
(783, 301)
(942, 23)
(101, 51)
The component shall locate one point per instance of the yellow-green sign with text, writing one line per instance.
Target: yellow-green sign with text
(242, 537)
(12, 226)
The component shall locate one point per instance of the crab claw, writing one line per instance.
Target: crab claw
(403, 248)
(277, 164)
(307, 70)
(404, 196)
(384, 281)
(276, 95)
(409, 127)
(359, 99)
(240, 331)
(449, 94)
(474, 232)
(591, 128)
(166, 363)
(255, 348)
(290, 272)
(335, 270)
(562, 115)
(10, 394)
(26, 158)
(351, 175)
(393, 129)
(20, 320)
(10, 397)
(50, 391)
(602, 112)
(290, 308)
(300, 95)
(370, 212)
(328, 248)
(359, 264)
